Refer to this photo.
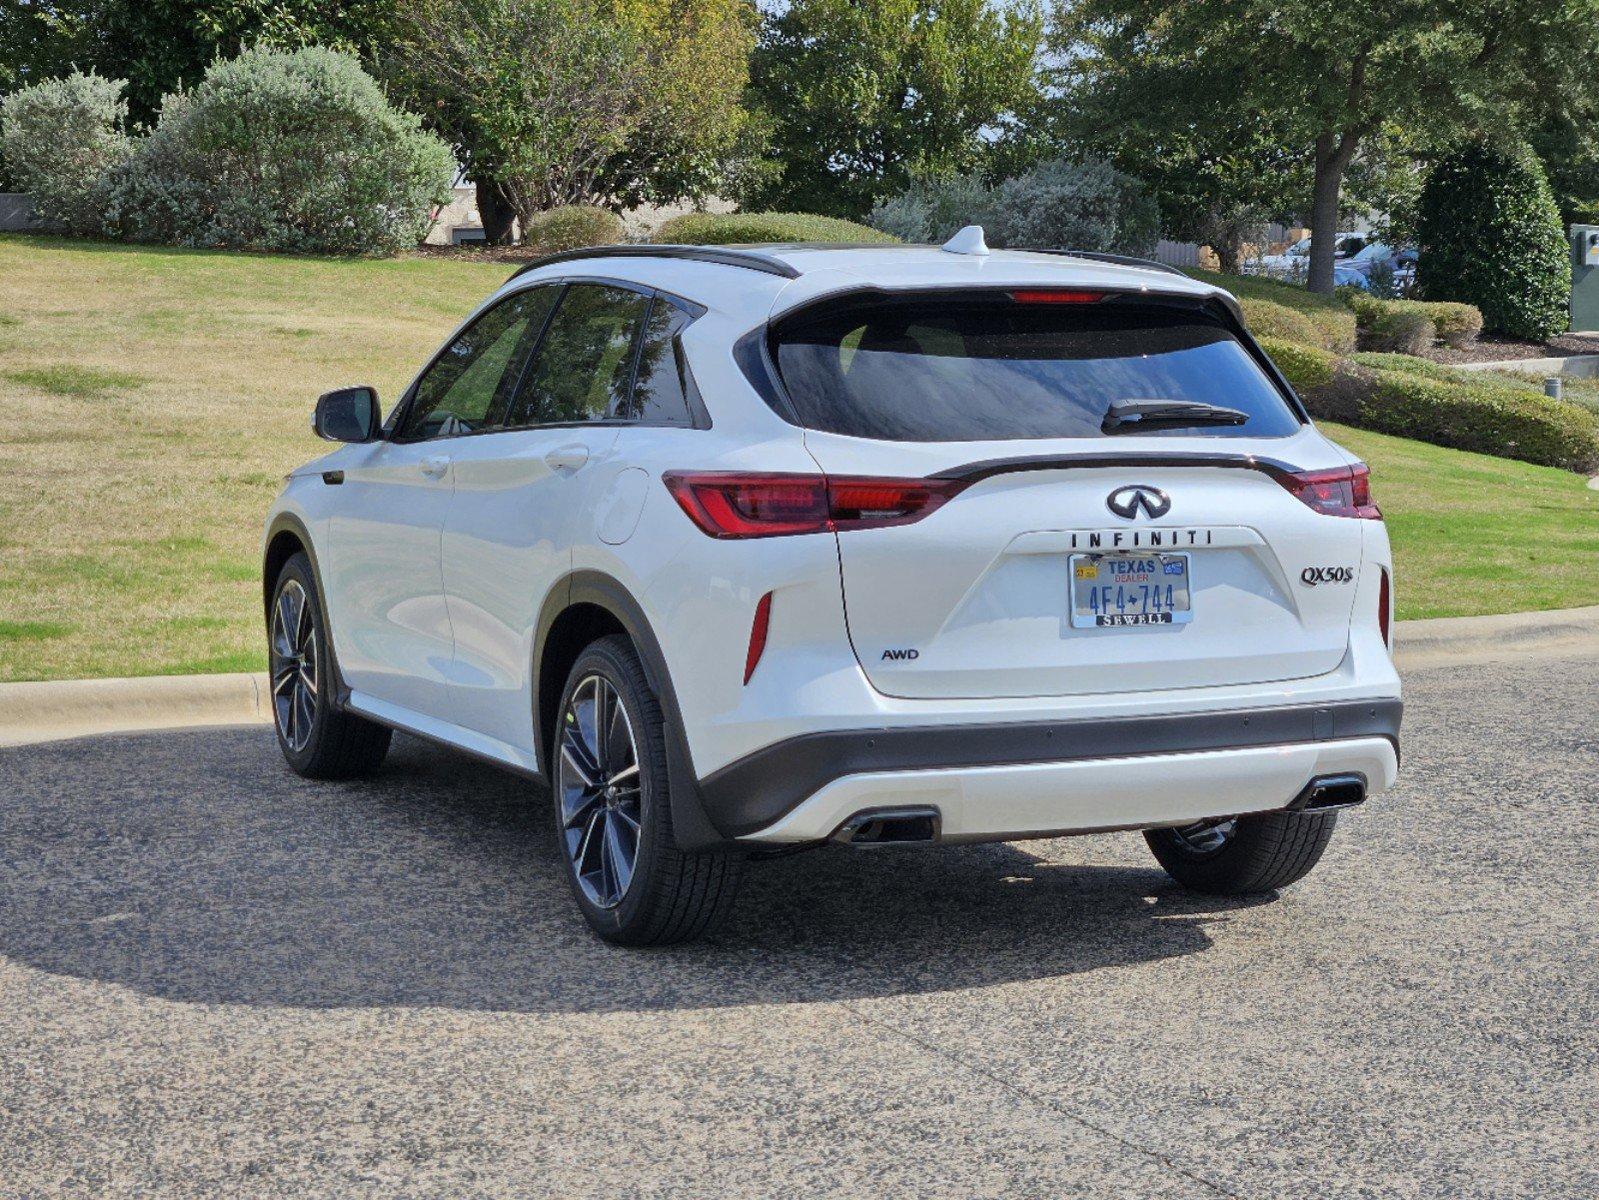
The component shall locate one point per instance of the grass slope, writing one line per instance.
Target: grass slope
(1474, 534)
(157, 397)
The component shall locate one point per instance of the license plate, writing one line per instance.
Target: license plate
(1129, 589)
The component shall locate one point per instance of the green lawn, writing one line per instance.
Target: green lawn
(156, 398)
(1474, 534)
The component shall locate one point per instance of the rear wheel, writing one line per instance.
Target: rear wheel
(318, 741)
(1242, 855)
(613, 810)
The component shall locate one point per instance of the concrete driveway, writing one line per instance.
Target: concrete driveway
(216, 979)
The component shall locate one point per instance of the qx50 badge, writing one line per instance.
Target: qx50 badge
(1311, 576)
(1127, 501)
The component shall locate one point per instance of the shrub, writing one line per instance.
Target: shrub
(290, 151)
(712, 229)
(1410, 397)
(572, 227)
(1402, 331)
(1456, 324)
(1331, 316)
(1268, 319)
(1305, 366)
(1086, 205)
(1491, 236)
(934, 208)
(62, 139)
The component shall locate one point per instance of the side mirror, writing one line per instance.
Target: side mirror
(348, 415)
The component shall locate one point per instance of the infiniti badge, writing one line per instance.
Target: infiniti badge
(1126, 501)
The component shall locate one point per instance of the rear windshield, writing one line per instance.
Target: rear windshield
(957, 370)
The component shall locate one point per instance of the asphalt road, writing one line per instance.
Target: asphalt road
(219, 980)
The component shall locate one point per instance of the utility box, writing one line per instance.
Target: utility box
(1584, 278)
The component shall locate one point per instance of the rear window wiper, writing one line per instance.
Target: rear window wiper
(1130, 416)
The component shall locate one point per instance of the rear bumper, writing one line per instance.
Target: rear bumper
(753, 797)
(1020, 800)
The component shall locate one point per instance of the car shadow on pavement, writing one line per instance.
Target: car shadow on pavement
(193, 866)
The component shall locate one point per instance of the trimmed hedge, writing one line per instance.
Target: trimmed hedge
(1268, 319)
(1399, 330)
(1449, 321)
(1305, 366)
(718, 229)
(1334, 322)
(572, 227)
(1413, 398)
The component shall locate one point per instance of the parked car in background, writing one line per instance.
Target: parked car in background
(1345, 275)
(1294, 262)
(1378, 267)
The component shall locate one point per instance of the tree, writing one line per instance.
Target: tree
(1329, 75)
(558, 102)
(1218, 183)
(1490, 235)
(863, 94)
(161, 45)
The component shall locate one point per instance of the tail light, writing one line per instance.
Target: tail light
(1341, 492)
(763, 619)
(1385, 609)
(727, 505)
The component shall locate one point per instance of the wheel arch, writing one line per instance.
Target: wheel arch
(287, 536)
(586, 605)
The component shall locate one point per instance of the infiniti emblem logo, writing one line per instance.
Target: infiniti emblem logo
(1126, 501)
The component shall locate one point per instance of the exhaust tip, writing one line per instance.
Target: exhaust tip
(889, 827)
(1327, 792)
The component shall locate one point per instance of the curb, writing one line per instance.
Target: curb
(49, 711)
(1438, 640)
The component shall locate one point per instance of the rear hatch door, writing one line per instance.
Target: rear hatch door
(1100, 562)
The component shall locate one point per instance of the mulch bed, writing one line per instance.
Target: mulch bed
(1496, 349)
(480, 252)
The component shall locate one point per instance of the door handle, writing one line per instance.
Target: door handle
(435, 465)
(569, 457)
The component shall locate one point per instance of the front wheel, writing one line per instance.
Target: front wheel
(1243, 855)
(318, 740)
(613, 811)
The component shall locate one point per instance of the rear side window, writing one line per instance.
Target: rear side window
(989, 368)
(658, 396)
(584, 367)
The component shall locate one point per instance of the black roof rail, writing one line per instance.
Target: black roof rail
(1120, 260)
(723, 256)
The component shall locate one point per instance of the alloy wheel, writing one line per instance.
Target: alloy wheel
(600, 791)
(294, 669)
(1206, 837)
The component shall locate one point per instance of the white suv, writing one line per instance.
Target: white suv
(744, 550)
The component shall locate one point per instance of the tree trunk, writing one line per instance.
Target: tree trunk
(497, 215)
(1333, 153)
(1230, 253)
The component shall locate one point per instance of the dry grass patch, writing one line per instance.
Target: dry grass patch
(158, 398)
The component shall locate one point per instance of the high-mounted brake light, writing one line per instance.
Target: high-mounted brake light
(1056, 296)
(1340, 492)
(746, 505)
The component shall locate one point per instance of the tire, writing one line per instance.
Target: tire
(1260, 853)
(665, 896)
(318, 740)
